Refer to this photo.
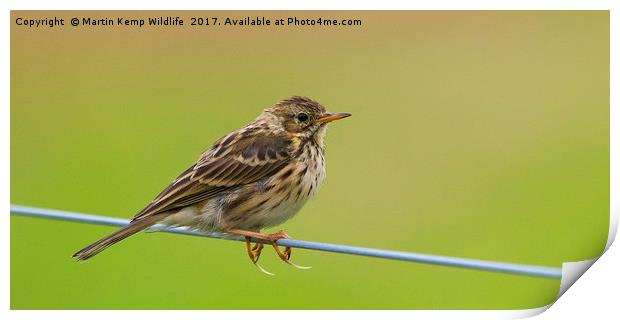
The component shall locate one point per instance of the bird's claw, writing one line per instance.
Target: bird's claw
(263, 269)
(285, 255)
(298, 266)
(254, 251)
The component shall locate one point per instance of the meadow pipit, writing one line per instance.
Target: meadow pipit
(256, 177)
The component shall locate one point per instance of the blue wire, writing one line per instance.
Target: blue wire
(512, 268)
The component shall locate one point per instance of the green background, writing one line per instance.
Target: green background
(474, 134)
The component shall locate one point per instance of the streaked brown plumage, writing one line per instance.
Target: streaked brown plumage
(256, 177)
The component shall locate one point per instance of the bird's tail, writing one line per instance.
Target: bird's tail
(120, 234)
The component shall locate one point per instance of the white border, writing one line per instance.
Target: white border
(597, 291)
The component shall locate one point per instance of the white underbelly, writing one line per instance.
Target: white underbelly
(282, 213)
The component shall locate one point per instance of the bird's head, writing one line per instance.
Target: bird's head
(302, 116)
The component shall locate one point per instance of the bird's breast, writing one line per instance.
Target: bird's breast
(295, 184)
(276, 199)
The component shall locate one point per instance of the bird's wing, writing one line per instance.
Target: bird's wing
(239, 158)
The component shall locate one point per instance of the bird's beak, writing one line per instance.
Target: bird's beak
(332, 116)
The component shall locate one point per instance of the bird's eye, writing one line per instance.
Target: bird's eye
(302, 117)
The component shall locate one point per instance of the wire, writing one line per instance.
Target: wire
(494, 266)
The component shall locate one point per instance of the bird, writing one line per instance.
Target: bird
(256, 177)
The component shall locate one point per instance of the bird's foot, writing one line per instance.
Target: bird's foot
(254, 253)
(286, 254)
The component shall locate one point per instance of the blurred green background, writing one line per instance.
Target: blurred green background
(474, 134)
